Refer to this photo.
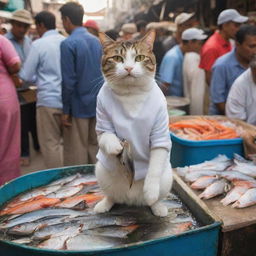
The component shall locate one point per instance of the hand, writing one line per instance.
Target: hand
(66, 120)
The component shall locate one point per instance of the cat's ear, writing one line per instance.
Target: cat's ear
(149, 38)
(105, 40)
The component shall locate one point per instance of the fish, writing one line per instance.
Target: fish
(234, 175)
(30, 206)
(126, 160)
(65, 191)
(112, 231)
(218, 164)
(193, 176)
(40, 214)
(64, 180)
(247, 199)
(88, 242)
(245, 168)
(203, 182)
(23, 240)
(233, 195)
(30, 227)
(245, 183)
(57, 241)
(215, 189)
(75, 200)
(87, 180)
(34, 193)
(55, 230)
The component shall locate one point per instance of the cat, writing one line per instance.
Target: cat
(131, 106)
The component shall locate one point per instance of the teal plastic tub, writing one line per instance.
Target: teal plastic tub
(188, 152)
(202, 241)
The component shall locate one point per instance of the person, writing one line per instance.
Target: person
(228, 67)
(92, 27)
(182, 21)
(9, 113)
(21, 21)
(170, 72)
(81, 56)
(127, 31)
(219, 43)
(43, 62)
(241, 101)
(193, 76)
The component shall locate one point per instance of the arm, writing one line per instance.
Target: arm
(30, 66)
(218, 88)
(69, 79)
(236, 102)
(108, 141)
(166, 73)
(208, 75)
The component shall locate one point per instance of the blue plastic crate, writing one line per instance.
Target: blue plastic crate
(188, 152)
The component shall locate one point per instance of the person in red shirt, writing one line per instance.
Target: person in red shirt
(218, 44)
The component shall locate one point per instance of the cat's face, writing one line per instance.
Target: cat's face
(126, 63)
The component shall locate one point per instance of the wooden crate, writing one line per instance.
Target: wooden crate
(238, 230)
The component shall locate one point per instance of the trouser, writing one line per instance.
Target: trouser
(80, 142)
(49, 129)
(28, 124)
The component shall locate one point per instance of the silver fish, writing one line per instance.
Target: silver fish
(215, 189)
(203, 182)
(233, 195)
(193, 176)
(86, 242)
(23, 240)
(111, 231)
(36, 215)
(65, 191)
(126, 159)
(29, 227)
(247, 199)
(234, 175)
(65, 179)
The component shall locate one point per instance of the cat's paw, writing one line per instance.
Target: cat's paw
(151, 191)
(159, 209)
(111, 144)
(103, 206)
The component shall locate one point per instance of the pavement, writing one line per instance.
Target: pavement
(36, 161)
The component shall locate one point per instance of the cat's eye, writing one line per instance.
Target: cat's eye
(117, 58)
(140, 58)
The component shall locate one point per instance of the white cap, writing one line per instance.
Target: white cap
(193, 34)
(183, 17)
(231, 15)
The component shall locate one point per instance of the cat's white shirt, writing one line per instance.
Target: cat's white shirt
(141, 119)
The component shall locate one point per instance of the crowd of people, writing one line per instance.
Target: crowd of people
(216, 72)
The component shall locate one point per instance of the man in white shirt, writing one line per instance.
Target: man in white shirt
(193, 77)
(241, 102)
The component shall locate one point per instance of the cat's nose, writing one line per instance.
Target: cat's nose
(128, 69)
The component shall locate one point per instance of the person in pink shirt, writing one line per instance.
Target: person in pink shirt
(9, 113)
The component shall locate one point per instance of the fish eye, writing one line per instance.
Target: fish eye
(140, 58)
(117, 58)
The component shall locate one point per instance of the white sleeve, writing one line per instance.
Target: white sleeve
(236, 101)
(160, 135)
(103, 120)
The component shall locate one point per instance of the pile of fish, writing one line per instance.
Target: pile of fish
(233, 178)
(201, 128)
(60, 216)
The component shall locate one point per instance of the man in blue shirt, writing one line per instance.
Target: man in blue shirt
(81, 56)
(21, 21)
(43, 64)
(229, 66)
